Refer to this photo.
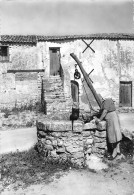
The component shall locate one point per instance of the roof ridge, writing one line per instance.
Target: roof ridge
(35, 38)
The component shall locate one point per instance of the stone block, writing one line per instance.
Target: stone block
(54, 143)
(77, 126)
(53, 154)
(59, 126)
(78, 155)
(72, 149)
(54, 125)
(89, 141)
(49, 137)
(101, 125)
(60, 150)
(78, 161)
(89, 126)
(56, 134)
(86, 133)
(62, 157)
(48, 142)
(89, 151)
(60, 143)
(67, 144)
(65, 134)
(98, 150)
(48, 147)
(80, 138)
(100, 145)
(100, 134)
(43, 126)
(99, 140)
(43, 140)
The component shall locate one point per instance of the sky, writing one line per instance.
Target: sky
(66, 17)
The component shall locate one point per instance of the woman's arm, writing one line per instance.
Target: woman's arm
(104, 112)
(103, 115)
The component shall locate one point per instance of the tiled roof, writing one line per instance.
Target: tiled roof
(33, 38)
(99, 36)
(18, 39)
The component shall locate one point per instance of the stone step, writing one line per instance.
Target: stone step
(52, 86)
(52, 79)
(60, 93)
(49, 101)
(53, 89)
(54, 98)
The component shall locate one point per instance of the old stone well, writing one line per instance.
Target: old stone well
(71, 140)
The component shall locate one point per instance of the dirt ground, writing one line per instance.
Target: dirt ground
(118, 179)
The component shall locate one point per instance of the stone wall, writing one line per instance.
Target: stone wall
(64, 140)
(13, 120)
(19, 90)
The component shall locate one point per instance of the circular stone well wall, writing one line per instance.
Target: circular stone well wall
(64, 140)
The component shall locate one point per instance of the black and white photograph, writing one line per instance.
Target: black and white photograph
(67, 97)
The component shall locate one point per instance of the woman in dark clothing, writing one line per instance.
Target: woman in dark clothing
(108, 112)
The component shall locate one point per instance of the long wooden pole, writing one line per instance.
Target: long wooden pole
(86, 79)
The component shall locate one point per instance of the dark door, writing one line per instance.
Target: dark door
(54, 61)
(126, 93)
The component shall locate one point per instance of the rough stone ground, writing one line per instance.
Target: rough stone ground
(118, 179)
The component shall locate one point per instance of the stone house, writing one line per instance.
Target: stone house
(40, 69)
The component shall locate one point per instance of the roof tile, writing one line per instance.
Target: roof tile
(33, 38)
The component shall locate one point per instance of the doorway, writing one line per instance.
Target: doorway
(126, 93)
(55, 67)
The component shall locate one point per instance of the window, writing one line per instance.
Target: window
(4, 54)
(126, 93)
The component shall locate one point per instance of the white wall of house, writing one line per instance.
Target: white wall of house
(112, 62)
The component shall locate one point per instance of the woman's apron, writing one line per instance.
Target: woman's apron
(113, 127)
